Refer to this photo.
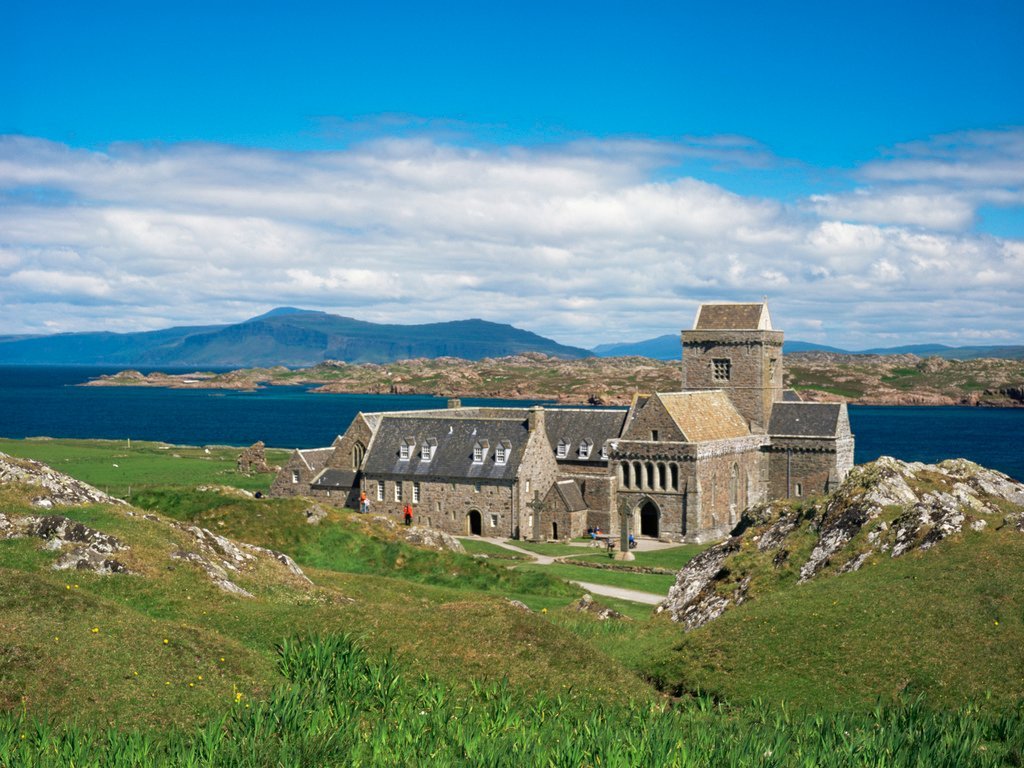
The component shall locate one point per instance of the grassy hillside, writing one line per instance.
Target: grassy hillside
(405, 651)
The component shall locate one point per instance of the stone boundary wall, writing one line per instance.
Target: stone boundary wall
(614, 567)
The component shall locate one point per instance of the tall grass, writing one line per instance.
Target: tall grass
(345, 707)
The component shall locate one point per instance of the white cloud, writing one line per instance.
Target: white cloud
(586, 242)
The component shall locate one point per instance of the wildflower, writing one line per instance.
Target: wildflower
(997, 622)
(167, 682)
(67, 586)
(200, 677)
(166, 641)
(95, 630)
(56, 639)
(76, 586)
(222, 658)
(543, 610)
(239, 696)
(191, 685)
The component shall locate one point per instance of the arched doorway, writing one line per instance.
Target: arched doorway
(474, 523)
(650, 519)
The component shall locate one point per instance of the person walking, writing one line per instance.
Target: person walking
(408, 514)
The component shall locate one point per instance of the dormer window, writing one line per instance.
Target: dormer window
(480, 451)
(406, 448)
(428, 448)
(604, 452)
(501, 452)
(585, 447)
(563, 448)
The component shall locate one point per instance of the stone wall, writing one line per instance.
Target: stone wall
(802, 467)
(350, 448)
(755, 368)
(446, 505)
(293, 479)
(538, 471)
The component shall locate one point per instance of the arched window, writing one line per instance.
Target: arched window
(734, 485)
(358, 451)
(674, 470)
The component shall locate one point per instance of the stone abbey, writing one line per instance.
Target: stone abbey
(679, 466)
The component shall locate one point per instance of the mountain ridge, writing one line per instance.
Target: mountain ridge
(283, 336)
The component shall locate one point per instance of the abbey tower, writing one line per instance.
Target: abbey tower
(733, 347)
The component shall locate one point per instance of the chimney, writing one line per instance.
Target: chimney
(454, 403)
(535, 419)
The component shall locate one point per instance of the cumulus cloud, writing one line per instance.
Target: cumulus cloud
(586, 241)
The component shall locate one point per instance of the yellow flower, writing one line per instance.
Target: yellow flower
(166, 641)
(200, 677)
(222, 658)
(191, 685)
(95, 630)
(66, 586)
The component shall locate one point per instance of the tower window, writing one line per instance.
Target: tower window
(720, 369)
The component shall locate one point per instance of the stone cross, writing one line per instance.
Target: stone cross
(624, 521)
(537, 506)
(624, 527)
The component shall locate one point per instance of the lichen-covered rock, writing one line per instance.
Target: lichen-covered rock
(56, 487)
(587, 604)
(693, 600)
(220, 557)
(315, 514)
(432, 539)
(83, 548)
(884, 508)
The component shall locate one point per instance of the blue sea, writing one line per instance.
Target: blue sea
(44, 401)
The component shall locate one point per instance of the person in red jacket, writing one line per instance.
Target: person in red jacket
(408, 514)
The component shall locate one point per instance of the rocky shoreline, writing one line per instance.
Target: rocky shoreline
(821, 377)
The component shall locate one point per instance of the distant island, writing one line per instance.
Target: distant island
(283, 336)
(821, 376)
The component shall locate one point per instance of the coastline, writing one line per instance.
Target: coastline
(603, 381)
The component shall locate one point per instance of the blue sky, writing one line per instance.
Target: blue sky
(860, 163)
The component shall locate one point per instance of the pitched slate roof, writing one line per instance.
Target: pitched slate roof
(791, 396)
(316, 458)
(453, 457)
(705, 415)
(569, 492)
(805, 419)
(732, 317)
(335, 478)
(578, 424)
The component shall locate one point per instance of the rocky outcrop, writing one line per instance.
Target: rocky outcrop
(587, 604)
(222, 559)
(83, 548)
(886, 508)
(55, 488)
(431, 538)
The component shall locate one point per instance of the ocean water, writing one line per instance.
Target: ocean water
(44, 401)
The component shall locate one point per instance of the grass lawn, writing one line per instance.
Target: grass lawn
(493, 551)
(672, 558)
(552, 549)
(643, 582)
(112, 466)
